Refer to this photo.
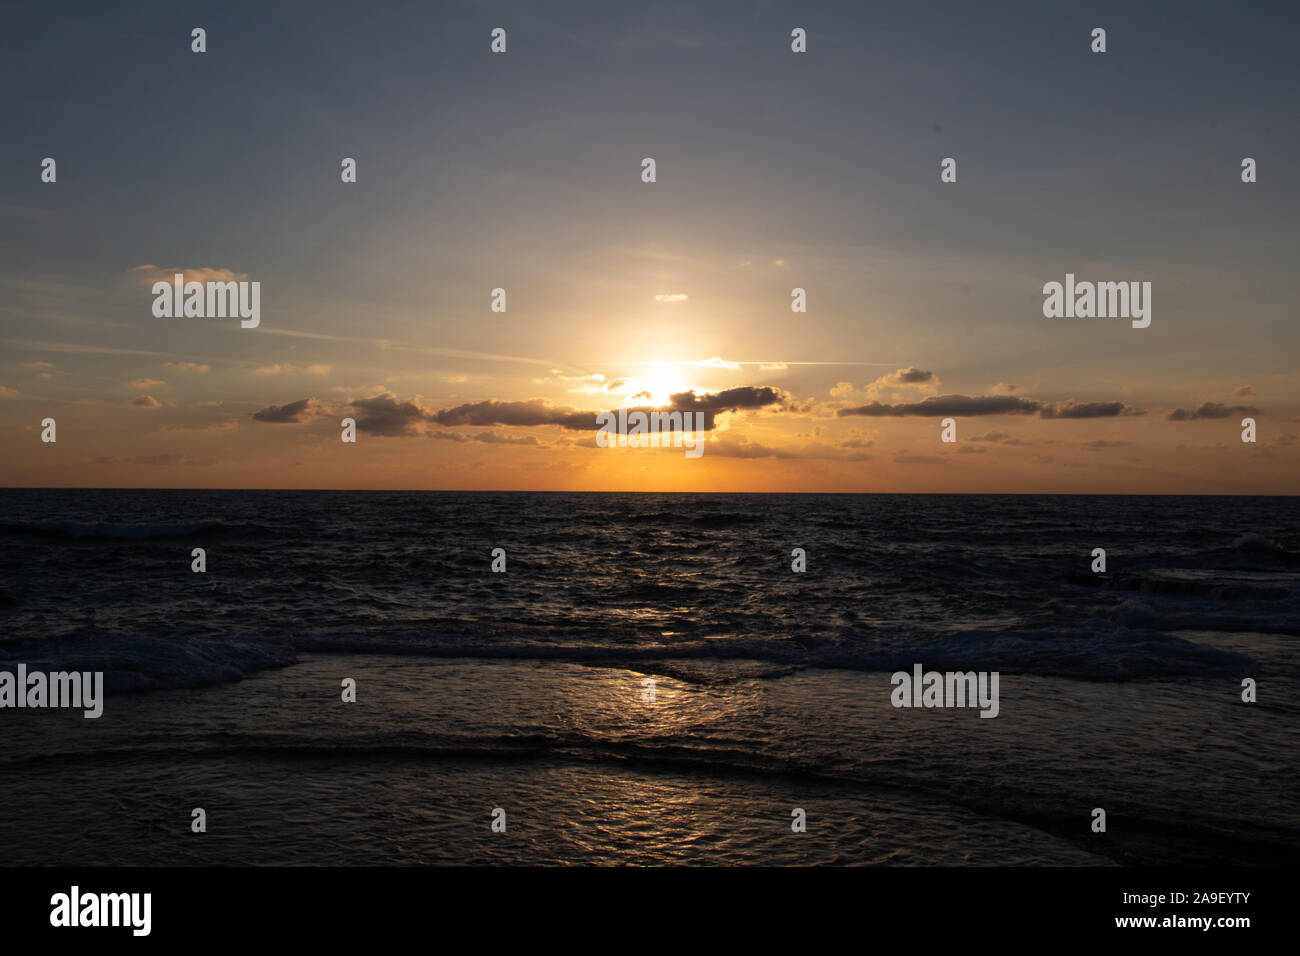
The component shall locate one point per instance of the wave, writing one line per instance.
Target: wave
(1177, 583)
(111, 530)
(1092, 655)
(1150, 825)
(140, 663)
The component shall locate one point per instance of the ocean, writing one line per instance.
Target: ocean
(649, 681)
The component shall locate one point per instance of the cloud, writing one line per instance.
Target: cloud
(223, 425)
(774, 367)
(44, 365)
(287, 367)
(529, 413)
(955, 405)
(157, 460)
(187, 366)
(717, 362)
(728, 400)
(293, 413)
(942, 405)
(1211, 410)
(724, 446)
(1004, 388)
(595, 384)
(148, 383)
(909, 377)
(7, 392)
(149, 274)
(991, 436)
(534, 412)
(491, 438)
(496, 438)
(384, 415)
(146, 401)
(743, 448)
(673, 297)
(1101, 444)
(1085, 410)
(1245, 391)
(919, 459)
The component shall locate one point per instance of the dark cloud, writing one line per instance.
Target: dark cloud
(727, 400)
(518, 414)
(384, 415)
(943, 405)
(292, 413)
(912, 376)
(1102, 443)
(538, 412)
(1211, 410)
(937, 406)
(1085, 410)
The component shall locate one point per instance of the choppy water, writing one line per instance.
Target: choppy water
(523, 689)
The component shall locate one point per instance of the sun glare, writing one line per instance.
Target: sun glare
(659, 381)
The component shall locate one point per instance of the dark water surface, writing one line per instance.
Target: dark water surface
(524, 690)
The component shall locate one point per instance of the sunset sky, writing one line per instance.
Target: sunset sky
(775, 170)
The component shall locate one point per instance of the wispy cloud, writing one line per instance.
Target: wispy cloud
(279, 369)
(149, 274)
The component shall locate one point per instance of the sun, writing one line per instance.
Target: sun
(661, 381)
